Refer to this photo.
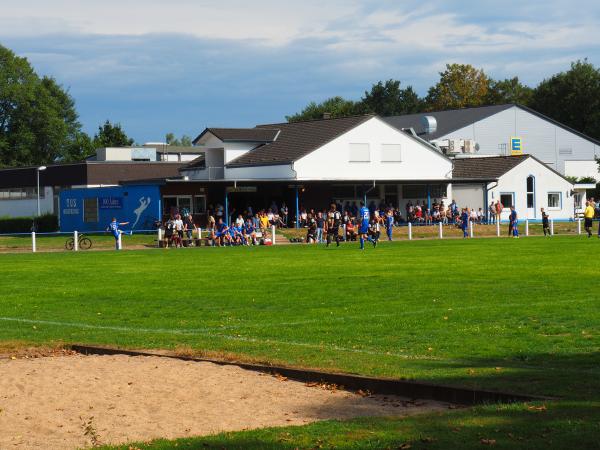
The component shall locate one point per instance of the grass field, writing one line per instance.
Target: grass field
(515, 315)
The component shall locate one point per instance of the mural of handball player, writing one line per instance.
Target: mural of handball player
(113, 228)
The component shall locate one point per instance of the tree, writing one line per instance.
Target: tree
(38, 120)
(510, 90)
(335, 106)
(111, 135)
(572, 97)
(388, 99)
(185, 140)
(460, 86)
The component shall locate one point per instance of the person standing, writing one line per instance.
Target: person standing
(113, 228)
(320, 220)
(334, 219)
(365, 218)
(514, 222)
(588, 216)
(189, 226)
(546, 223)
(464, 222)
(389, 223)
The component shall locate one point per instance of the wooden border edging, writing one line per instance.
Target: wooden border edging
(385, 386)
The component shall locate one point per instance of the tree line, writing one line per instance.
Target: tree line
(571, 97)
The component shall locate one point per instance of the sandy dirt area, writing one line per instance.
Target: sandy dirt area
(74, 401)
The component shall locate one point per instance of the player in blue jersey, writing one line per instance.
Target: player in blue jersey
(514, 221)
(113, 228)
(364, 215)
(464, 222)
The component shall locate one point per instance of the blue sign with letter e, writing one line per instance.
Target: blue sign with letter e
(516, 146)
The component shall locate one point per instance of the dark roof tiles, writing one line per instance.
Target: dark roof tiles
(492, 167)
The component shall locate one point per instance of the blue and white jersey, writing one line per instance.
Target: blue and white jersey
(365, 214)
(513, 216)
(113, 227)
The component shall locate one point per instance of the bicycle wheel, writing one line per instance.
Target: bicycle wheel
(85, 243)
(70, 244)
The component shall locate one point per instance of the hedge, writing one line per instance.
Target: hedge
(47, 223)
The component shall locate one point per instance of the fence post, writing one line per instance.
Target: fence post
(471, 232)
(75, 240)
(409, 231)
(159, 237)
(498, 226)
(273, 233)
(526, 227)
(119, 242)
(441, 231)
(344, 228)
(33, 243)
(579, 226)
(551, 227)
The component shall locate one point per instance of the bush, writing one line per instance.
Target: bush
(47, 223)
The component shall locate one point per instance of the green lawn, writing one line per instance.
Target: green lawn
(515, 315)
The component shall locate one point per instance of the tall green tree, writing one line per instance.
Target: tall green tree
(38, 120)
(510, 90)
(460, 86)
(335, 106)
(185, 140)
(111, 135)
(389, 99)
(572, 98)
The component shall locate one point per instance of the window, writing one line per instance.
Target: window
(391, 153)
(565, 151)
(507, 199)
(90, 210)
(27, 193)
(360, 153)
(530, 191)
(199, 204)
(554, 200)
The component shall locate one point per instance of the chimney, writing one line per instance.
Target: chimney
(326, 115)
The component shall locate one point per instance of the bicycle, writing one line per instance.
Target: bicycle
(83, 242)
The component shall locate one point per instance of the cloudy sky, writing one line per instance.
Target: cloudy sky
(181, 65)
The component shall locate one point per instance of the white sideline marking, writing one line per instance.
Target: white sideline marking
(207, 332)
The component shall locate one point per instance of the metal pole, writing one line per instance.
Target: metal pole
(471, 230)
(344, 228)
(119, 241)
(297, 209)
(38, 192)
(75, 240)
(273, 233)
(226, 207)
(159, 237)
(409, 231)
(579, 226)
(33, 243)
(526, 227)
(441, 230)
(551, 227)
(498, 225)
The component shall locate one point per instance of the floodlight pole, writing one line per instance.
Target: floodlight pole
(38, 170)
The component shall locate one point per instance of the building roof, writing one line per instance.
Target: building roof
(297, 139)
(241, 134)
(447, 121)
(492, 167)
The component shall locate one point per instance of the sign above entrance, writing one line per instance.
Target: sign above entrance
(241, 189)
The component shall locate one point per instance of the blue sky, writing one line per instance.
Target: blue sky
(181, 65)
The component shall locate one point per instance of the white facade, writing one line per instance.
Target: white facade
(374, 150)
(27, 207)
(582, 169)
(550, 143)
(549, 191)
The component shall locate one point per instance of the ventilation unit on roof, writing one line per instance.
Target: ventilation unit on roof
(429, 124)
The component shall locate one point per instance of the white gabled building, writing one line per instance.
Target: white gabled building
(491, 130)
(521, 181)
(362, 158)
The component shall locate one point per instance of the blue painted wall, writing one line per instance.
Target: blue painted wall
(139, 205)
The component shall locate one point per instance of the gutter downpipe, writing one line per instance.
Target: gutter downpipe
(367, 191)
